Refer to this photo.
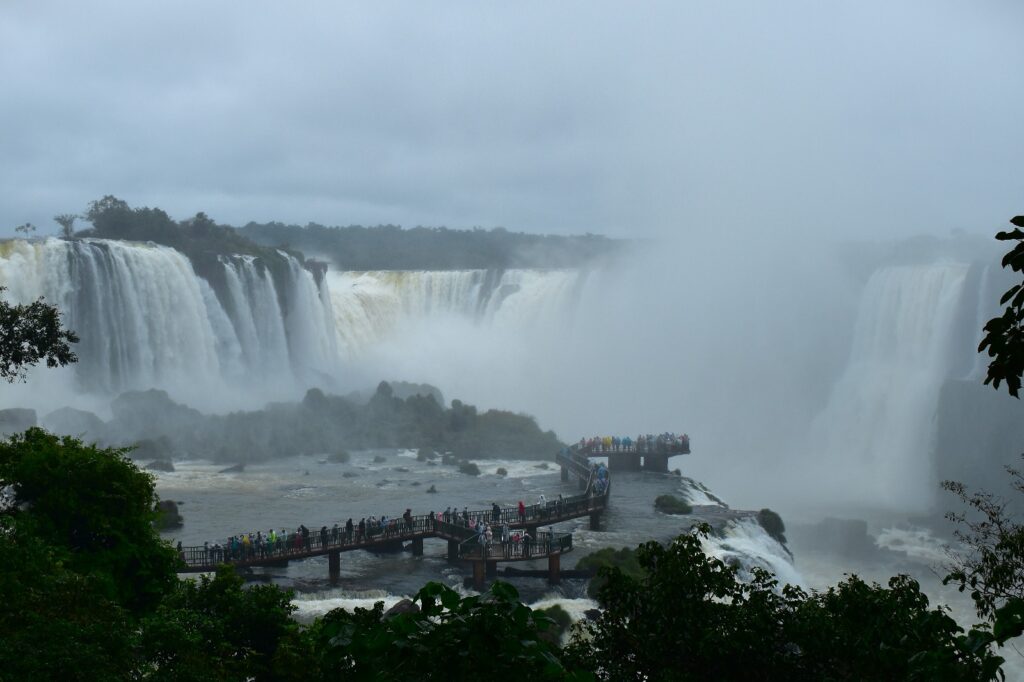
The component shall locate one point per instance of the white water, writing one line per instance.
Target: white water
(746, 543)
(371, 307)
(874, 438)
(146, 319)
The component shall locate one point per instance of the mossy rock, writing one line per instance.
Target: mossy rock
(502, 471)
(168, 516)
(469, 468)
(670, 504)
(379, 459)
(425, 455)
(772, 524)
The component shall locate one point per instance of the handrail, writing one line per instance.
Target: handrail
(544, 545)
(453, 526)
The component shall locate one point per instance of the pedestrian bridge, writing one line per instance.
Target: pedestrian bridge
(463, 541)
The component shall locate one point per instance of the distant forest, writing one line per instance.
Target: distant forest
(389, 247)
(384, 247)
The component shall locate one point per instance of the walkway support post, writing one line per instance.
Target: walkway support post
(595, 520)
(554, 568)
(492, 569)
(417, 546)
(565, 475)
(656, 462)
(334, 565)
(478, 576)
(453, 551)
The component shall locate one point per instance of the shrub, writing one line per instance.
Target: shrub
(670, 504)
(623, 559)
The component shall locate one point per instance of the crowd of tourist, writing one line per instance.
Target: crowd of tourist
(484, 528)
(665, 443)
(272, 543)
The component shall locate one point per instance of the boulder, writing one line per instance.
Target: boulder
(78, 423)
(404, 606)
(169, 516)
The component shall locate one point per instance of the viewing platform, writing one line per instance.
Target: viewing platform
(463, 541)
(485, 556)
(646, 453)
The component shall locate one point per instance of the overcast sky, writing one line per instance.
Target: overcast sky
(796, 118)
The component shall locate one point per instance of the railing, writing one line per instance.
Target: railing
(454, 526)
(681, 447)
(546, 544)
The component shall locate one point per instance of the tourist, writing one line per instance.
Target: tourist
(522, 512)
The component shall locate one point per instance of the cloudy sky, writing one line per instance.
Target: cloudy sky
(875, 118)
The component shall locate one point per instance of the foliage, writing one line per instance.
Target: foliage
(94, 508)
(30, 333)
(389, 247)
(561, 622)
(624, 560)
(1004, 335)
(26, 229)
(670, 504)
(67, 224)
(488, 637)
(56, 624)
(772, 524)
(690, 618)
(991, 564)
(214, 629)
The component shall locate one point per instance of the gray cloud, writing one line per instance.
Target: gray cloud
(793, 118)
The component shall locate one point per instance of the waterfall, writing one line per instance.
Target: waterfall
(146, 319)
(875, 436)
(372, 306)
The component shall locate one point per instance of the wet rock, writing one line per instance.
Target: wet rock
(404, 606)
(236, 469)
(168, 517)
(78, 423)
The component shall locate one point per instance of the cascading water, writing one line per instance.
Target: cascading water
(147, 320)
(371, 306)
(139, 309)
(875, 437)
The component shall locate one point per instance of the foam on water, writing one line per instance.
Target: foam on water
(917, 543)
(746, 542)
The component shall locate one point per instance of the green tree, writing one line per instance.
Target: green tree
(56, 624)
(215, 629)
(94, 508)
(487, 637)
(990, 564)
(689, 617)
(1004, 335)
(67, 224)
(31, 333)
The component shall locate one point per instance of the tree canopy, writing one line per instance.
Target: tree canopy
(32, 333)
(1004, 335)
